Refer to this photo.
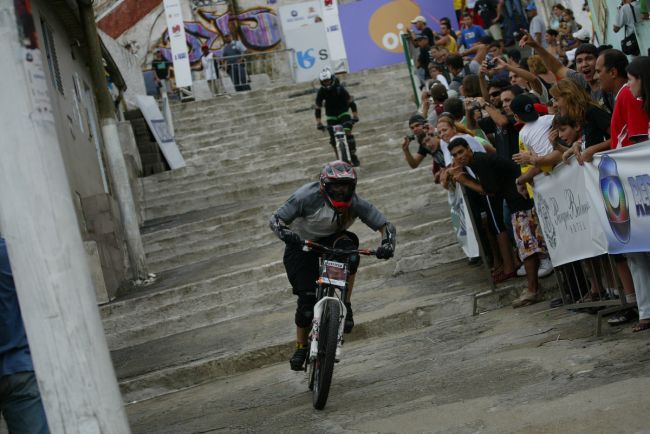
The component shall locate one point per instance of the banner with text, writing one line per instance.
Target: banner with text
(567, 215)
(619, 184)
(178, 43)
(371, 28)
(338, 57)
(304, 32)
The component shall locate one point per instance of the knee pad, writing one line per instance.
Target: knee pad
(305, 310)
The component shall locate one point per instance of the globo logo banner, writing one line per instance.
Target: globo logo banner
(619, 185)
(371, 28)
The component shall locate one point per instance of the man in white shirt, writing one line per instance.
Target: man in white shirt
(208, 61)
(534, 135)
(537, 27)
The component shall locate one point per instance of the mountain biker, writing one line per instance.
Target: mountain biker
(322, 212)
(337, 104)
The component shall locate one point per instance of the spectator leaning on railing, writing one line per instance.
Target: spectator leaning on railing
(494, 175)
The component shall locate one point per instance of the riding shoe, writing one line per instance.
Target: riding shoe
(355, 160)
(349, 320)
(297, 361)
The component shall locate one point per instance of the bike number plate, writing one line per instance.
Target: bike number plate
(335, 273)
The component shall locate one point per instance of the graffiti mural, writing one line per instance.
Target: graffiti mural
(258, 29)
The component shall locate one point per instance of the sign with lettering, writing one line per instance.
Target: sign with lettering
(462, 223)
(178, 43)
(568, 215)
(619, 185)
(304, 32)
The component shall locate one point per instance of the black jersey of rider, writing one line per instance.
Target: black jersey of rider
(308, 214)
(337, 99)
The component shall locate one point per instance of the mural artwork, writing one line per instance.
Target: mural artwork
(258, 29)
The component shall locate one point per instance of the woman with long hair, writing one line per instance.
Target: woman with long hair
(638, 75)
(573, 101)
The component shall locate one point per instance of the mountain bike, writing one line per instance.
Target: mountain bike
(326, 335)
(340, 140)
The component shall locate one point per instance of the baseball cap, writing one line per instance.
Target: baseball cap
(418, 19)
(524, 107)
(531, 6)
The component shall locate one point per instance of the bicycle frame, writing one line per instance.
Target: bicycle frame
(341, 146)
(330, 288)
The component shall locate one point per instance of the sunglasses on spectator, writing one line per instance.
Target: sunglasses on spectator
(495, 93)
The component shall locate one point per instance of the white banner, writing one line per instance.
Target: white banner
(619, 185)
(334, 34)
(149, 108)
(304, 32)
(462, 223)
(567, 215)
(178, 44)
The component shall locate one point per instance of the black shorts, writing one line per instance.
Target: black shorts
(302, 267)
(494, 210)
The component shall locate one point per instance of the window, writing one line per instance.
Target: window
(52, 60)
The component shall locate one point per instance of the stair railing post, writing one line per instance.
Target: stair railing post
(115, 156)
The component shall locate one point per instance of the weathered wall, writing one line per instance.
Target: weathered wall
(142, 28)
(78, 133)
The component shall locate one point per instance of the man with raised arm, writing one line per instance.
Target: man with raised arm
(585, 73)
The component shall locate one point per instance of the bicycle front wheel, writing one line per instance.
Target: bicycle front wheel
(343, 151)
(324, 362)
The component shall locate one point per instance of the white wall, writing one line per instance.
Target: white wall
(71, 109)
(129, 66)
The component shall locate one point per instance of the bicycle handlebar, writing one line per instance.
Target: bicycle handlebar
(345, 124)
(310, 245)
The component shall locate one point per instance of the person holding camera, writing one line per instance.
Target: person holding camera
(429, 144)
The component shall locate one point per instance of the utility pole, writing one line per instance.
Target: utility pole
(116, 163)
(54, 286)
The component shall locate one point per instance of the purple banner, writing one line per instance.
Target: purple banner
(371, 28)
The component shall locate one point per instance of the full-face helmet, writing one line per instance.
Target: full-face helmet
(326, 78)
(338, 181)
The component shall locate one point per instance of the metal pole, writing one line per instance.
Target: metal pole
(50, 267)
(411, 68)
(116, 164)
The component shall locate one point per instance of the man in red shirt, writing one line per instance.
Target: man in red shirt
(629, 120)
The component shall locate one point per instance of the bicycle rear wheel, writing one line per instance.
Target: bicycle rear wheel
(324, 362)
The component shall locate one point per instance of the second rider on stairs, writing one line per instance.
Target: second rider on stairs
(338, 103)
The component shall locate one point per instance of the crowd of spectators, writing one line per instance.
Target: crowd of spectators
(511, 95)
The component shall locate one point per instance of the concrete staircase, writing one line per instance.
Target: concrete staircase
(222, 303)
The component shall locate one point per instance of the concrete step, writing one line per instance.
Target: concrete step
(222, 304)
(275, 110)
(245, 343)
(382, 200)
(244, 132)
(204, 230)
(259, 174)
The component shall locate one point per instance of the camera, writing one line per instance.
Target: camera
(489, 61)
(411, 137)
